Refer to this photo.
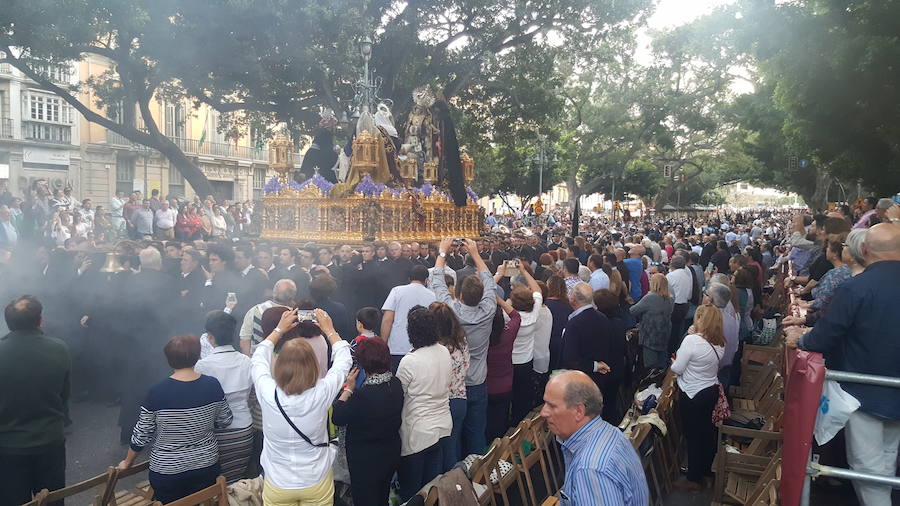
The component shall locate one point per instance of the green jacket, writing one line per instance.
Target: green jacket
(34, 401)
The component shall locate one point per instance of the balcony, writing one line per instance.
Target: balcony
(46, 132)
(215, 149)
(6, 128)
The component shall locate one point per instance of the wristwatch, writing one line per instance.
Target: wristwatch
(442, 254)
(894, 220)
(278, 330)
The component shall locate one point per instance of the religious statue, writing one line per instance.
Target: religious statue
(321, 154)
(372, 151)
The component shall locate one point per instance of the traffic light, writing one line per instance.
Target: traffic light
(667, 171)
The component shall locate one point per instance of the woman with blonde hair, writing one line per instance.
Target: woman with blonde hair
(297, 455)
(697, 366)
(654, 312)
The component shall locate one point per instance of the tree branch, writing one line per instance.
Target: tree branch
(130, 133)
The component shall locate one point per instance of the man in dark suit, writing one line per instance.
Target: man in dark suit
(289, 269)
(253, 281)
(362, 279)
(396, 268)
(586, 337)
(152, 295)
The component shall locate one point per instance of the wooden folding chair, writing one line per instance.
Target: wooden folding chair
(738, 473)
(481, 474)
(527, 461)
(100, 484)
(551, 449)
(755, 389)
(505, 482)
(639, 435)
(213, 495)
(540, 435)
(141, 495)
(39, 499)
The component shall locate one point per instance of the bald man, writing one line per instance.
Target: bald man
(858, 333)
(602, 468)
(283, 295)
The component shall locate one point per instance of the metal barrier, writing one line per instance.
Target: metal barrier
(814, 469)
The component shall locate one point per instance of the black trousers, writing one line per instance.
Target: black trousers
(372, 466)
(699, 431)
(679, 313)
(497, 415)
(21, 476)
(523, 391)
(171, 487)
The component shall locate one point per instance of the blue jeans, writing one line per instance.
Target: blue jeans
(453, 443)
(419, 468)
(475, 423)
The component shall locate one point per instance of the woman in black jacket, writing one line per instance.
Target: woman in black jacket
(372, 416)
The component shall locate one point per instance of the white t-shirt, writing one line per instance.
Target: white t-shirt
(696, 364)
(400, 301)
(523, 346)
(542, 331)
(681, 285)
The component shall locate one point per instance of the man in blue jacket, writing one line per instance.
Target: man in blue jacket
(859, 333)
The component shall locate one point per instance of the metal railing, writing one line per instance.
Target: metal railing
(6, 128)
(216, 149)
(814, 469)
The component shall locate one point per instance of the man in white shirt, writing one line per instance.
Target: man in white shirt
(598, 280)
(396, 307)
(116, 206)
(164, 221)
(680, 285)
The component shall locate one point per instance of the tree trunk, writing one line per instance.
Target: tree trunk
(818, 200)
(574, 197)
(191, 172)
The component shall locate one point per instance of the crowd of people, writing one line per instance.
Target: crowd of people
(56, 217)
(420, 353)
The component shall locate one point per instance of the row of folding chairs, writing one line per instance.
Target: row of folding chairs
(523, 467)
(102, 490)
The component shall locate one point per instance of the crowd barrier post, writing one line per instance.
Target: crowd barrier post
(814, 469)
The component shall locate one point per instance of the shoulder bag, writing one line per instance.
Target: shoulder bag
(298, 431)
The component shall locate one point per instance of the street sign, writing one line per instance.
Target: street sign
(804, 163)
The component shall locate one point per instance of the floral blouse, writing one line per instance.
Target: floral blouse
(459, 365)
(824, 289)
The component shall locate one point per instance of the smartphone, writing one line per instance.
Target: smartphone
(231, 298)
(307, 315)
(512, 268)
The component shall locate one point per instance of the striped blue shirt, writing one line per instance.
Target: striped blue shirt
(602, 468)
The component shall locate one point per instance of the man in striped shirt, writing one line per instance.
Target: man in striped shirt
(283, 294)
(602, 468)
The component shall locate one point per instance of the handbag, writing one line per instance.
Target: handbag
(298, 431)
(722, 411)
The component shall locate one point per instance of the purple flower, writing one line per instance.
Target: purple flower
(273, 186)
(369, 188)
(318, 181)
(427, 189)
(472, 194)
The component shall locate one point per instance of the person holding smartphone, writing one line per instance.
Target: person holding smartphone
(297, 455)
